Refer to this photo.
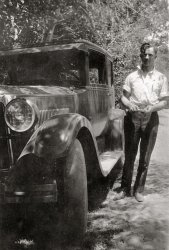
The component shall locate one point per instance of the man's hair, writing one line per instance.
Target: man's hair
(145, 46)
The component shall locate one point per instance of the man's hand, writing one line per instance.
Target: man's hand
(126, 102)
(133, 107)
(148, 109)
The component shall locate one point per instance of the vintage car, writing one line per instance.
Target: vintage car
(59, 128)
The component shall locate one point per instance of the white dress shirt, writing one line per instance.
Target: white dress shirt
(146, 90)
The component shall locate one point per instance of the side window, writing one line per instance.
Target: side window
(97, 68)
(93, 75)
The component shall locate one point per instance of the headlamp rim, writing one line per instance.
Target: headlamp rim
(33, 114)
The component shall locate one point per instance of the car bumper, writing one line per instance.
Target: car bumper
(45, 193)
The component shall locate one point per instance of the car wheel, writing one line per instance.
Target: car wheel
(75, 200)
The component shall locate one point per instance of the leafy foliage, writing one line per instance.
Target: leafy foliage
(117, 25)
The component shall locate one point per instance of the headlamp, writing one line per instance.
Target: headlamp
(19, 115)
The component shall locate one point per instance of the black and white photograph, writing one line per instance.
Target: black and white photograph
(84, 125)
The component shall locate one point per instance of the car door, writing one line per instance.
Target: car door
(100, 91)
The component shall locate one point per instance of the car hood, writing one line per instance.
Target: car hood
(34, 90)
(44, 97)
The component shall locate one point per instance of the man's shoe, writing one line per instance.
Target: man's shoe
(139, 197)
(120, 195)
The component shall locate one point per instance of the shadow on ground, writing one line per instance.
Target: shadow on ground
(117, 225)
(129, 225)
(36, 228)
(98, 191)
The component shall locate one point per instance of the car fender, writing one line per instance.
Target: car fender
(114, 131)
(54, 137)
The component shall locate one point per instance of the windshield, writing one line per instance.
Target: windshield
(52, 68)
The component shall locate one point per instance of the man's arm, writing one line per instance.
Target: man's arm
(162, 98)
(152, 108)
(126, 102)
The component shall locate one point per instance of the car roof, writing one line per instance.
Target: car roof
(82, 45)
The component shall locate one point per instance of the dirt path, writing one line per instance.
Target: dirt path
(129, 225)
(161, 150)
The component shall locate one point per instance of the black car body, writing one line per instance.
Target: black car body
(57, 112)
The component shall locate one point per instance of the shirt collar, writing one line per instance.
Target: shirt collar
(141, 72)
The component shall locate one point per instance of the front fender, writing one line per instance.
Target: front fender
(115, 130)
(54, 137)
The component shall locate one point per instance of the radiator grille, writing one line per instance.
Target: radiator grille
(46, 114)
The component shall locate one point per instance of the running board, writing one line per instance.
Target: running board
(108, 160)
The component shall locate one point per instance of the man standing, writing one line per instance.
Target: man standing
(143, 94)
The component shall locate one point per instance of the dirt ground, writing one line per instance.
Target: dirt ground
(129, 225)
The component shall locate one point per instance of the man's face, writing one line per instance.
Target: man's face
(148, 58)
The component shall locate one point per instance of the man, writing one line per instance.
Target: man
(144, 94)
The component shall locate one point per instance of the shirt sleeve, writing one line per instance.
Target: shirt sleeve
(127, 84)
(164, 87)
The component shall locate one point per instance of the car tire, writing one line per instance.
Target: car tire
(75, 199)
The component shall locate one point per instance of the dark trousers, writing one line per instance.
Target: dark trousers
(140, 128)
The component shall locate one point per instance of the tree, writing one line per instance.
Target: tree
(119, 26)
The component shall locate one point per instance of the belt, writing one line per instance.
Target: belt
(140, 118)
